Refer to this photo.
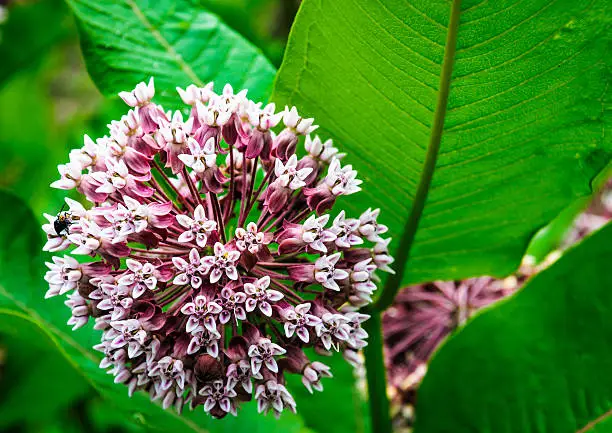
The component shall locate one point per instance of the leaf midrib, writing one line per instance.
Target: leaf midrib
(592, 424)
(416, 211)
(164, 43)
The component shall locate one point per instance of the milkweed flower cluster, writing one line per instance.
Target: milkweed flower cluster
(209, 260)
(423, 315)
(421, 318)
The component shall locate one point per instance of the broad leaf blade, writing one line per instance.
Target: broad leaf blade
(538, 362)
(524, 131)
(178, 42)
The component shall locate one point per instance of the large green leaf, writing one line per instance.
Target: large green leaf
(265, 23)
(539, 362)
(178, 42)
(522, 136)
(21, 297)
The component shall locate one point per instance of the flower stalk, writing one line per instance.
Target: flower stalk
(379, 401)
(376, 375)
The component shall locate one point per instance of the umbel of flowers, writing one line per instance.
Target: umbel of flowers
(424, 315)
(206, 254)
(420, 319)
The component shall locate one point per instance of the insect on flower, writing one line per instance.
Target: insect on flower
(62, 222)
(213, 260)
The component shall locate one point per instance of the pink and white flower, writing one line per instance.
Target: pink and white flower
(209, 279)
(222, 263)
(199, 228)
(63, 275)
(273, 396)
(263, 353)
(313, 374)
(219, 394)
(141, 277)
(298, 320)
(260, 296)
(206, 339)
(251, 239)
(190, 272)
(326, 273)
(201, 312)
(141, 95)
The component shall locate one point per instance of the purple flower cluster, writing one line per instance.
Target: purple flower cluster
(212, 261)
(419, 320)
(423, 315)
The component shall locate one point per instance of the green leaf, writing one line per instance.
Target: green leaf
(553, 236)
(538, 362)
(178, 42)
(265, 23)
(108, 420)
(522, 135)
(21, 295)
(25, 377)
(62, 103)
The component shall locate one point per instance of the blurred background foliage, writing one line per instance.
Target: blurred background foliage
(47, 102)
(47, 99)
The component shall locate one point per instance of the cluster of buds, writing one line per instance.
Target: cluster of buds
(423, 315)
(212, 261)
(419, 320)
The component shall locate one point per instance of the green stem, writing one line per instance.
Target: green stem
(374, 359)
(376, 375)
(412, 223)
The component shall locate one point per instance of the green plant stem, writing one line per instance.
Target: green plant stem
(376, 375)
(374, 358)
(412, 223)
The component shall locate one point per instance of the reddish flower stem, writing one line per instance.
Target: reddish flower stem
(243, 199)
(160, 252)
(249, 204)
(160, 191)
(274, 329)
(218, 215)
(171, 296)
(300, 216)
(230, 204)
(287, 211)
(288, 292)
(176, 244)
(180, 196)
(191, 186)
(277, 264)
